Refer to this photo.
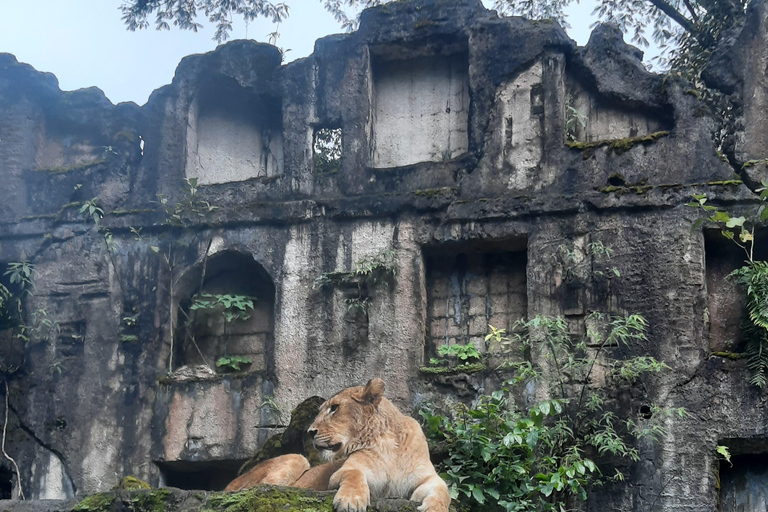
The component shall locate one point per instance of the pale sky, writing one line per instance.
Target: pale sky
(85, 43)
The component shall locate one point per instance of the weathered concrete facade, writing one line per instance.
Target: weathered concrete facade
(454, 125)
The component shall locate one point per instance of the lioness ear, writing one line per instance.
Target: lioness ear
(373, 391)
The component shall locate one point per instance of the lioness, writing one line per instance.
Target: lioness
(378, 452)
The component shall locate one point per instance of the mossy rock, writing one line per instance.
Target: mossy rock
(270, 499)
(293, 439)
(95, 503)
(150, 501)
(131, 483)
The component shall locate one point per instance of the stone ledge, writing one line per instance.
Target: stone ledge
(259, 499)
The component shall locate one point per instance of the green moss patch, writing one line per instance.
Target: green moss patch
(447, 370)
(81, 167)
(95, 503)
(618, 146)
(150, 501)
(131, 483)
(269, 499)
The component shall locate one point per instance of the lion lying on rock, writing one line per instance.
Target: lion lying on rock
(376, 452)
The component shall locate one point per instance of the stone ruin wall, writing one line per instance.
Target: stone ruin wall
(453, 126)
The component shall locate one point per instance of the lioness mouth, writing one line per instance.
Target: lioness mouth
(331, 447)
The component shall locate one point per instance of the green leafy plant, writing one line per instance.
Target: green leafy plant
(573, 120)
(752, 277)
(188, 209)
(463, 352)
(20, 273)
(373, 270)
(91, 210)
(232, 307)
(538, 457)
(724, 453)
(233, 363)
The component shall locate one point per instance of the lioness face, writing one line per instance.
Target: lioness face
(340, 426)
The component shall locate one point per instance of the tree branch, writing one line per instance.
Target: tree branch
(691, 10)
(672, 13)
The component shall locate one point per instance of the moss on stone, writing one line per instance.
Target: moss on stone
(752, 163)
(729, 355)
(39, 217)
(447, 370)
(635, 189)
(131, 212)
(724, 183)
(95, 503)
(131, 483)
(150, 501)
(618, 146)
(693, 92)
(269, 499)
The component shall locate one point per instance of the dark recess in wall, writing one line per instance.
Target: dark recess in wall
(202, 476)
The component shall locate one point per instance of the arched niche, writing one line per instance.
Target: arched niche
(208, 328)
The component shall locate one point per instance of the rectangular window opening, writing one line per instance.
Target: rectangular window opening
(211, 475)
(471, 286)
(744, 483)
(724, 299)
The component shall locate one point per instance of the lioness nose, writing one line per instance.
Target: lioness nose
(312, 432)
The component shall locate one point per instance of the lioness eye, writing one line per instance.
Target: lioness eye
(334, 407)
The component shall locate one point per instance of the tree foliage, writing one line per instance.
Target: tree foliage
(686, 30)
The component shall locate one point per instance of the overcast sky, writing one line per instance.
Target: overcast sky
(85, 43)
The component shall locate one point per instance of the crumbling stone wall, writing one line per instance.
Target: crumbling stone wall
(494, 178)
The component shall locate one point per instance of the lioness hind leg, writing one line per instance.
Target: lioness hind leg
(433, 495)
(283, 470)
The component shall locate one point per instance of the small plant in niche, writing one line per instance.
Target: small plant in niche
(372, 270)
(232, 307)
(573, 119)
(752, 277)
(233, 363)
(326, 150)
(461, 352)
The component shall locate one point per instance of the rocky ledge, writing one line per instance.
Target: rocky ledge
(259, 499)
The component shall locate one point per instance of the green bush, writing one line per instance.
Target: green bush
(505, 455)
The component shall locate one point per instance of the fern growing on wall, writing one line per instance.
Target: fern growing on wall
(753, 279)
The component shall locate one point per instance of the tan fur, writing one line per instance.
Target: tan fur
(283, 470)
(383, 453)
(387, 453)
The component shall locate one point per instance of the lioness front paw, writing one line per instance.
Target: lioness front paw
(350, 502)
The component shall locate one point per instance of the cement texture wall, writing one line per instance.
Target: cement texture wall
(459, 162)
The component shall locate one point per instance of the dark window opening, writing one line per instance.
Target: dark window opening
(199, 476)
(724, 298)
(6, 484)
(744, 483)
(471, 287)
(326, 150)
